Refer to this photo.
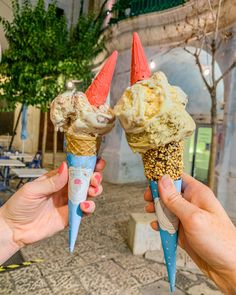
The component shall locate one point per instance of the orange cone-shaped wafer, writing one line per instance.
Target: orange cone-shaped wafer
(98, 91)
(139, 65)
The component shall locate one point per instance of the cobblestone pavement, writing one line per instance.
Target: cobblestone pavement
(102, 263)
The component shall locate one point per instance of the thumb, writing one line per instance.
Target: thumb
(52, 183)
(173, 200)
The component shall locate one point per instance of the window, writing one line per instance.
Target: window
(197, 153)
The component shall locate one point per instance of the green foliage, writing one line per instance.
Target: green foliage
(42, 54)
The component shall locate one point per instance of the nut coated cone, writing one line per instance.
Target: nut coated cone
(139, 65)
(169, 240)
(98, 91)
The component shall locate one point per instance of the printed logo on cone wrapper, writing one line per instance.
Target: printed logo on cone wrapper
(79, 179)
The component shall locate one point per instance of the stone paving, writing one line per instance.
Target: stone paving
(102, 263)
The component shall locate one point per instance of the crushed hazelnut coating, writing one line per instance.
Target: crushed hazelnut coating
(163, 160)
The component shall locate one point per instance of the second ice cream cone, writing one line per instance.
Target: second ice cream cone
(152, 113)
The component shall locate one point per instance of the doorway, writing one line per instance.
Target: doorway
(197, 153)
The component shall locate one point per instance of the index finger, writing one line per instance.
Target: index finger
(148, 195)
(187, 180)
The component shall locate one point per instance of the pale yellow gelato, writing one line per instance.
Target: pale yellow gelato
(152, 113)
(72, 113)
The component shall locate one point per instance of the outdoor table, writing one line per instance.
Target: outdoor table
(6, 164)
(22, 157)
(28, 173)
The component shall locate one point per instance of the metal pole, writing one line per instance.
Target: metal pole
(14, 131)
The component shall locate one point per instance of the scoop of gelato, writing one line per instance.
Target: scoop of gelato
(72, 113)
(152, 113)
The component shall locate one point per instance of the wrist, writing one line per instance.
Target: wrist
(8, 246)
(226, 280)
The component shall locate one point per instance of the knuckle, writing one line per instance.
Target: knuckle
(173, 197)
(197, 219)
(27, 187)
(90, 191)
(52, 184)
(100, 189)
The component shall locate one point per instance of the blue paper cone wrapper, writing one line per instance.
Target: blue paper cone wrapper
(80, 172)
(168, 227)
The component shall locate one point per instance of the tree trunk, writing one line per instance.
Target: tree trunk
(212, 162)
(213, 151)
(54, 148)
(44, 141)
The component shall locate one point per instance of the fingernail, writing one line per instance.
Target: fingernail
(61, 168)
(96, 189)
(86, 205)
(98, 178)
(166, 181)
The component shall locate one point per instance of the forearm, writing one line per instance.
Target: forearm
(7, 245)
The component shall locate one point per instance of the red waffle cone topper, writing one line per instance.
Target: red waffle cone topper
(98, 90)
(139, 65)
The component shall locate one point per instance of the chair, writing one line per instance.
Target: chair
(36, 162)
(3, 158)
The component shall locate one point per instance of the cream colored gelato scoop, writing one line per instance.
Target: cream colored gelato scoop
(72, 113)
(152, 113)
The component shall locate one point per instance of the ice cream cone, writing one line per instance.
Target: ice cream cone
(139, 111)
(139, 65)
(98, 90)
(140, 71)
(154, 117)
(82, 151)
(84, 119)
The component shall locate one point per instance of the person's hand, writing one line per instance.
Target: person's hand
(39, 208)
(205, 232)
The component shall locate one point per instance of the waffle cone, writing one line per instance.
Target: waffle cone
(164, 160)
(82, 145)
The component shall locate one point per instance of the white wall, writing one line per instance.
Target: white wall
(6, 12)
